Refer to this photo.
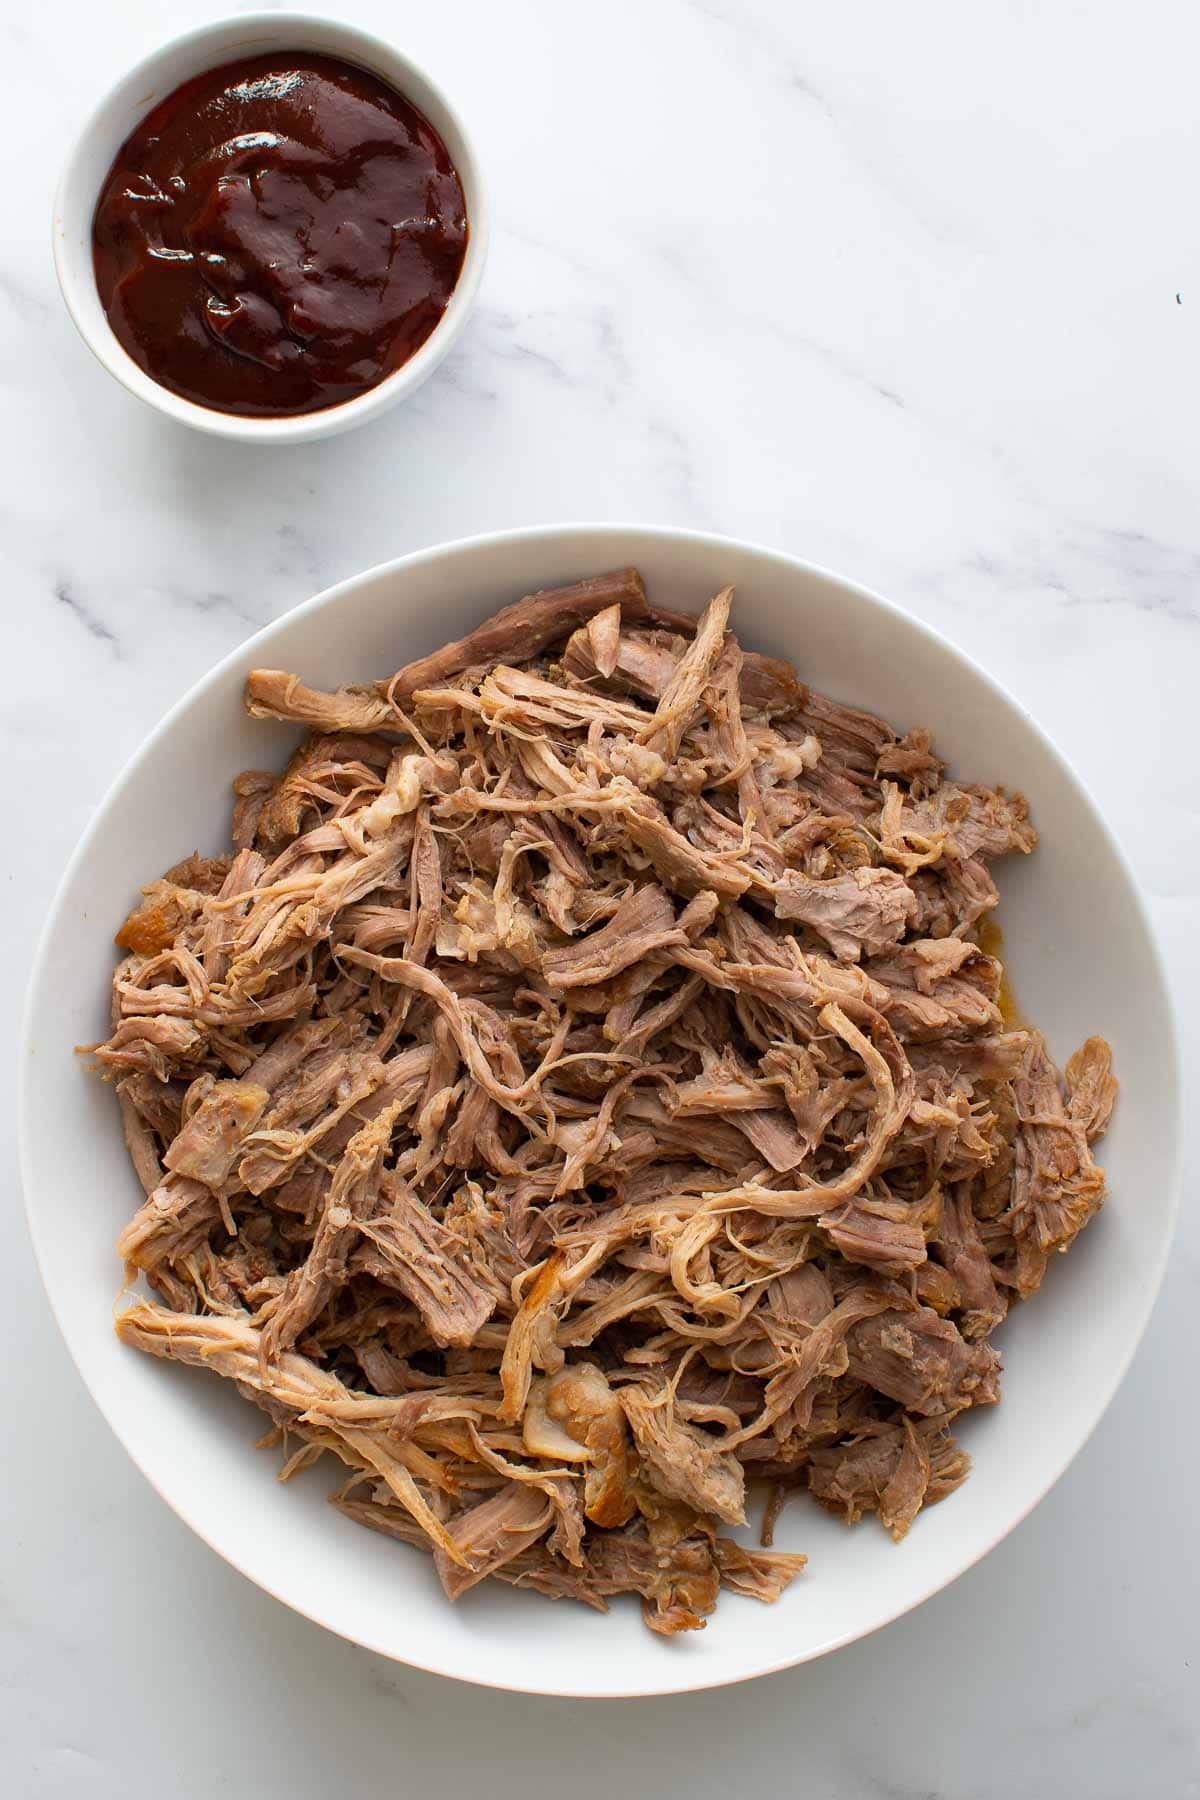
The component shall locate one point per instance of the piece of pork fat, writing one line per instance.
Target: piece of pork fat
(891, 1469)
(682, 1461)
(523, 630)
(923, 1362)
(416, 1253)
(575, 1416)
(862, 912)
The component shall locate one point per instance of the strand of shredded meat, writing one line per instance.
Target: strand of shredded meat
(582, 1089)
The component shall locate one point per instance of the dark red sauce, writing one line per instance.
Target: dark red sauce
(278, 235)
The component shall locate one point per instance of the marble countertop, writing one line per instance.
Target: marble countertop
(910, 291)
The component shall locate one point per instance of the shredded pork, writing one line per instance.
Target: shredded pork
(582, 1090)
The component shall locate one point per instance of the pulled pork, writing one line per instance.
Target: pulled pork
(583, 1089)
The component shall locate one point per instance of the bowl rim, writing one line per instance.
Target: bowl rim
(550, 537)
(207, 46)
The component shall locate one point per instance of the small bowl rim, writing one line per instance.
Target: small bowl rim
(548, 537)
(207, 46)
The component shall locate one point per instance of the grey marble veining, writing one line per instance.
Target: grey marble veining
(911, 292)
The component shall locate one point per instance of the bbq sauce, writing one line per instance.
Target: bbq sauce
(278, 235)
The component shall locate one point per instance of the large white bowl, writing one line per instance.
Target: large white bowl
(1083, 959)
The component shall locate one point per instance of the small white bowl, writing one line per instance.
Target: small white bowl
(1082, 956)
(158, 75)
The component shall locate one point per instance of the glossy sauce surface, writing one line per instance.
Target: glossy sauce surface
(278, 235)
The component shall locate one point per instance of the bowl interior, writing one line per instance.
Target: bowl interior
(1082, 960)
(151, 81)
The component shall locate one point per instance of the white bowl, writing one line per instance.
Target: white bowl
(158, 75)
(1083, 959)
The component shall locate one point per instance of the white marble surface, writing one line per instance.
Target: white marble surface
(912, 291)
